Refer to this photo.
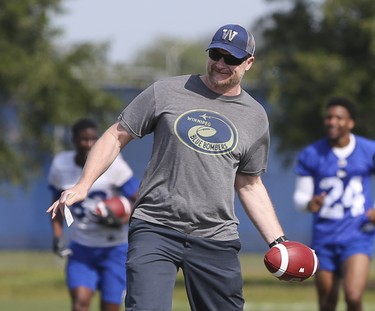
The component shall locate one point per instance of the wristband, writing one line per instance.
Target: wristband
(278, 240)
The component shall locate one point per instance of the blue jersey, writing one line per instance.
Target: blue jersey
(347, 182)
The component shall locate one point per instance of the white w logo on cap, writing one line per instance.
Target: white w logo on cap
(229, 34)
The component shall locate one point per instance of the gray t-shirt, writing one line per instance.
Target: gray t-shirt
(201, 140)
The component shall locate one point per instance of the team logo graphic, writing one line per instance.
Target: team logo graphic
(206, 131)
(229, 34)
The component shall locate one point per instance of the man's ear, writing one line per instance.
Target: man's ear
(249, 62)
(351, 124)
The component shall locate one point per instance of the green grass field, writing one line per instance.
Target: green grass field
(34, 281)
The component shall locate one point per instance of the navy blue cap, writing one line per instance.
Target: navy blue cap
(234, 39)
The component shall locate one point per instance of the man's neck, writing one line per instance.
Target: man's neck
(341, 142)
(80, 160)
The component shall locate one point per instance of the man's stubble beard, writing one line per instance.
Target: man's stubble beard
(226, 84)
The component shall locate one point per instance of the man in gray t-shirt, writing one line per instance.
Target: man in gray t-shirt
(202, 140)
(211, 139)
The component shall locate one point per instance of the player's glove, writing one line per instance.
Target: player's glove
(59, 247)
(108, 218)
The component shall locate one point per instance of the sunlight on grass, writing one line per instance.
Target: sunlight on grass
(34, 281)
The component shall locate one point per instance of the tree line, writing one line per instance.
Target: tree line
(306, 53)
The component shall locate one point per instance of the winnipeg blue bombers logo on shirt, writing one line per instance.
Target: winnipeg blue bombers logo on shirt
(206, 131)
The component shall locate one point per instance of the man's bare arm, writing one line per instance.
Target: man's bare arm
(258, 206)
(101, 156)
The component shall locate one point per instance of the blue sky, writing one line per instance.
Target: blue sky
(132, 26)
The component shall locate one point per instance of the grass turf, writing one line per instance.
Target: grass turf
(34, 281)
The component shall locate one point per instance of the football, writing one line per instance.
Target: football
(291, 261)
(119, 206)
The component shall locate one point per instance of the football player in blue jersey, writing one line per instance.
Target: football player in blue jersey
(334, 184)
(96, 254)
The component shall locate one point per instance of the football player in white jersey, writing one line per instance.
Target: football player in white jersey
(97, 249)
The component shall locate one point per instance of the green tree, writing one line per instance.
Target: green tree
(163, 58)
(309, 53)
(41, 86)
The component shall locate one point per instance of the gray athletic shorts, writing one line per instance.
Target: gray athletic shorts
(211, 270)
